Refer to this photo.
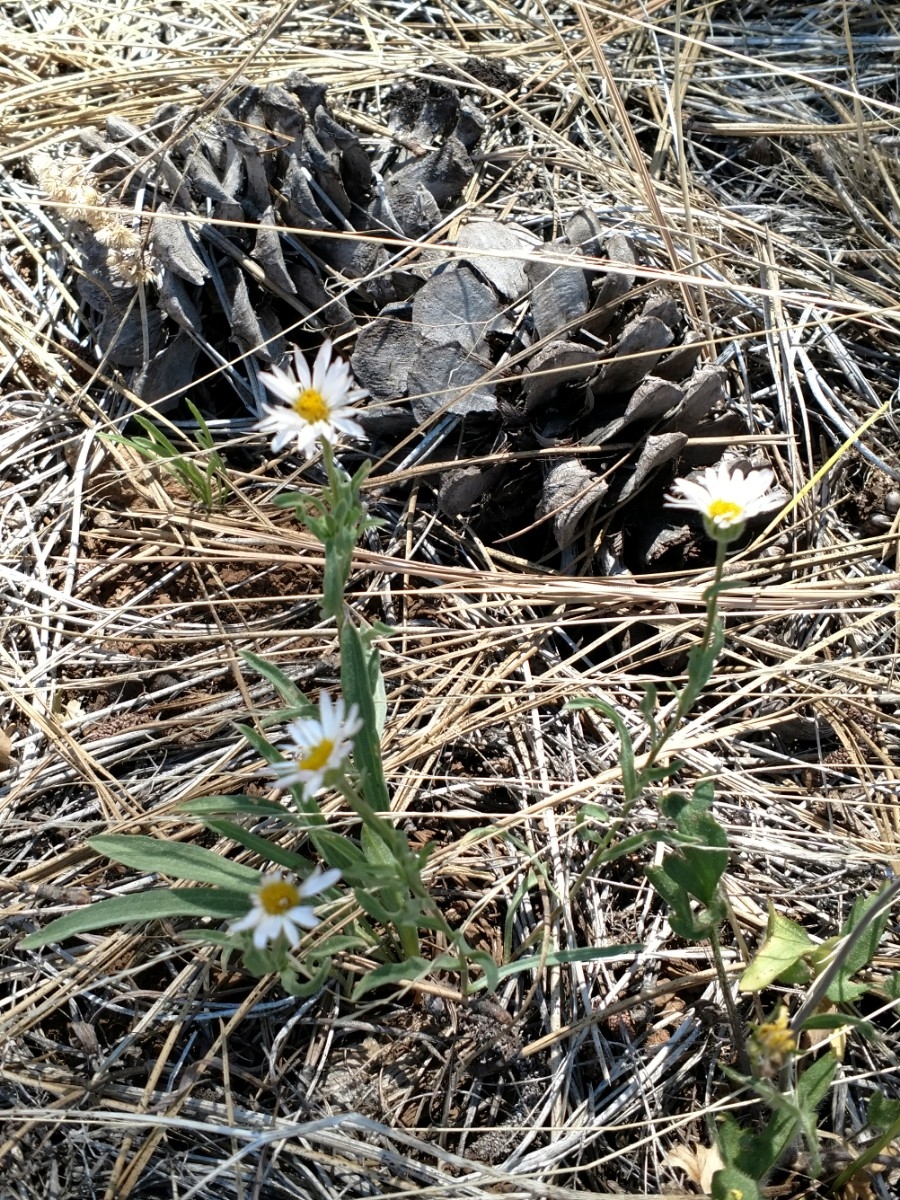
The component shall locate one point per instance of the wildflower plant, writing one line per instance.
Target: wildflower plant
(689, 878)
(334, 746)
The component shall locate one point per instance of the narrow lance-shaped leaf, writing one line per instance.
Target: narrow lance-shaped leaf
(219, 903)
(356, 681)
(286, 688)
(220, 806)
(629, 775)
(175, 860)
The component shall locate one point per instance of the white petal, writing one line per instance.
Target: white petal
(319, 881)
(302, 915)
(246, 922)
(302, 368)
(280, 384)
(321, 366)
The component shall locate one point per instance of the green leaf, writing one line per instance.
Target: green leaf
(630, 844)
(491, 973)
(647, 706)
(256, 806)
(866, 947)
(841, 1021)
(218, 903)
(175, 859)
(392, 973)
(785, 944)
(267, 850)
(339, 851)
(698, 869)
(732, 1184)
(883, 1112)
(704, 794)
(212, 937)
(673, 804)
(357, 687)
(379, 692)
(286, 688)
(292, 984)
(890, 986)
(630, 784)
(813, 1085)
(692, 926)
(261, 745)
(843, 990)
(731, 1139)
(812, 1088)
(340, 943)
(371, 904)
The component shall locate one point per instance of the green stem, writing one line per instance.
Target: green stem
(689, 693)
(686, 700)
(737, 1029)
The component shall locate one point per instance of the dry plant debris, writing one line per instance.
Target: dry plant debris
(655, 249)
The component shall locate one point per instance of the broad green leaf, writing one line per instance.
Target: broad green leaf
(356, 681)
(732, 1184)
(865, 949)
(214, 806)
(175, 859)
(883, 1112)
(698, 869)
(813, 1085)
(843, 990)
(890, 986)
(704, 793)
(673, 804)
(286, 688)
(219, 903)
(731, 1139)
(785, 944)
(812, 1088)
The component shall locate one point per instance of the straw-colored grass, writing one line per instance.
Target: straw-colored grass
(752, 151)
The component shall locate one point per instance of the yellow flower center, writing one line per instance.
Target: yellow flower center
(311, 406)
(277, 896)
(317, 757)
(724, 510)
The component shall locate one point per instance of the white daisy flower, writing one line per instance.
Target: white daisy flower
(320, 746)
(726, 498)
(277, 907)
(319, 403)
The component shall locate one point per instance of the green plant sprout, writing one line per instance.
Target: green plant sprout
(207, 484)
(689, 881)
